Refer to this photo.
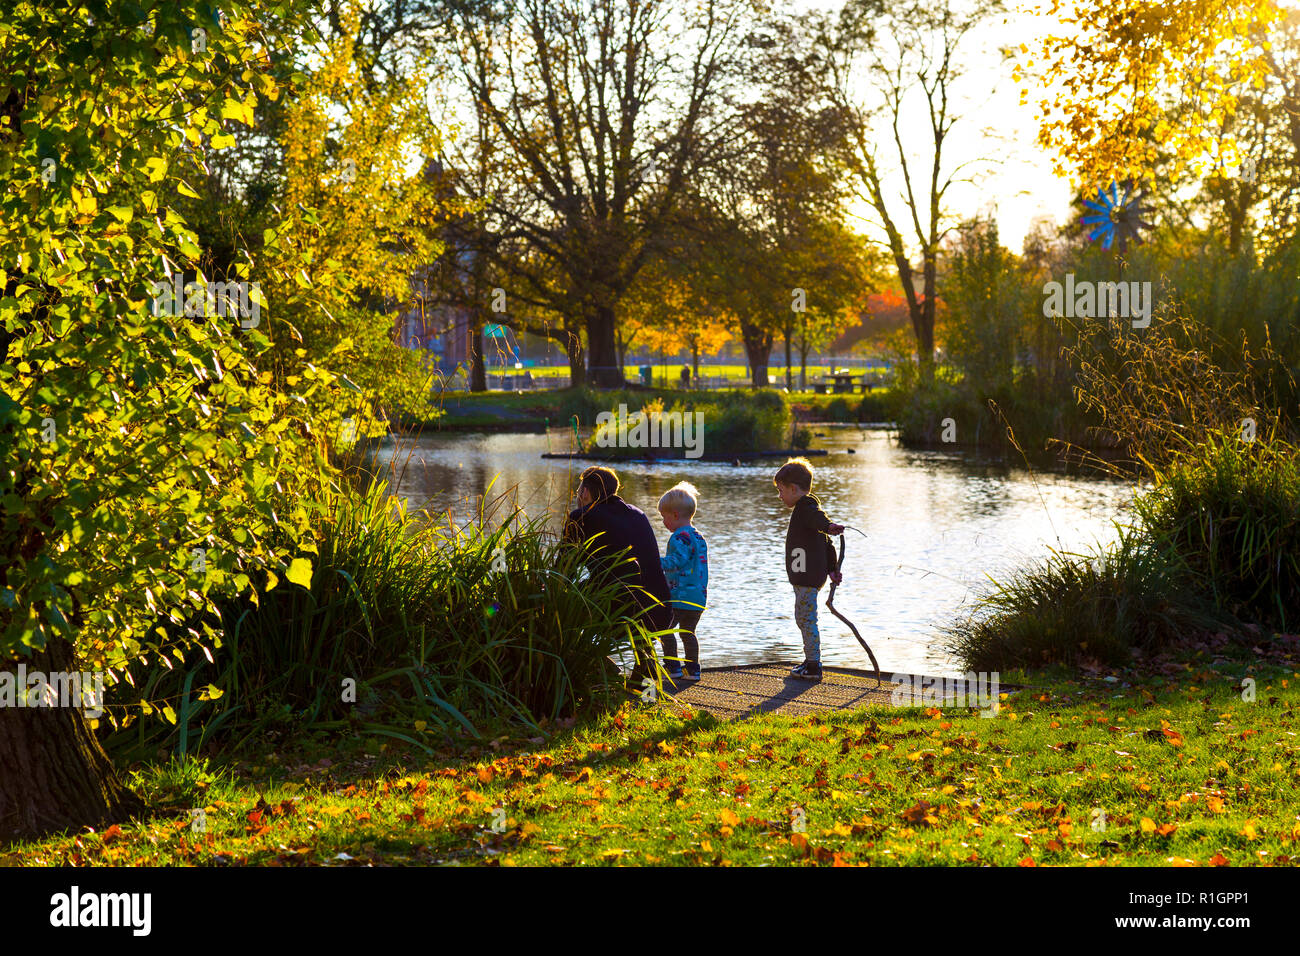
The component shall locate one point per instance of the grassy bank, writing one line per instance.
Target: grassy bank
(1149, 770)
(881, 405)
(531, 410)
(1215, 544)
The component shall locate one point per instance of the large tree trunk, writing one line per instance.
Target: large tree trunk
(758, 349)
(1237, 208)
(602, 356)
(54, 775)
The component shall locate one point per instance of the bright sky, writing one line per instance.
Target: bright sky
(1019, 182)
(995, 135)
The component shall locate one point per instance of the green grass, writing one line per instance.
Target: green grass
(670, 372)
(528, 411)
(731, 422)
(1183, 768)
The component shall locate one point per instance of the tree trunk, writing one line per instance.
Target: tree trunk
(803, 369)
(55, 774)
(758, 348)
(1237, 209)
(601, 353)
(477, 367)
(695, 362)
(620, 346)
(925, 328)
(789, 382)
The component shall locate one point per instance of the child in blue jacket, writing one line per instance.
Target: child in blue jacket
(686, 566)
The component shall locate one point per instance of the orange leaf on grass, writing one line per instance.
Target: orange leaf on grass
(920, 814)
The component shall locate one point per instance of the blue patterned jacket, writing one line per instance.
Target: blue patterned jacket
(686, 566)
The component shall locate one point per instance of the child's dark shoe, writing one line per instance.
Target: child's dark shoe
(808, 670)
(692, 671)
(673, 670)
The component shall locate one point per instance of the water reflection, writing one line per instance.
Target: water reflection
(936, 523)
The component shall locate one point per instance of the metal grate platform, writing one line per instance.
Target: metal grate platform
(768, 688)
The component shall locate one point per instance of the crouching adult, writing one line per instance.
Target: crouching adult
(618, 532)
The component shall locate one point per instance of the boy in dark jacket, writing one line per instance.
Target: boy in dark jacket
(809, 556)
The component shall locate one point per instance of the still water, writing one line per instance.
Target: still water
(937, 526)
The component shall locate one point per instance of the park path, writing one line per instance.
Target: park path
(768, 688)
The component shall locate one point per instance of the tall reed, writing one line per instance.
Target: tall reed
(408, 629)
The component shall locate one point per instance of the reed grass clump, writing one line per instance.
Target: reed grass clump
(1215, 543)
(1229, 510)
(409, 629)
(1078, 607)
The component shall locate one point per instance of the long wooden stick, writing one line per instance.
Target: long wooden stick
(830, 603)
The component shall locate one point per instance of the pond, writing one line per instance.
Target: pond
(937, 525)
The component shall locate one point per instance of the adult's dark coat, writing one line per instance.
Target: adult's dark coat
(616, 525)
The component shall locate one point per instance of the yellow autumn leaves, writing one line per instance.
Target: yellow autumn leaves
(1114, 73)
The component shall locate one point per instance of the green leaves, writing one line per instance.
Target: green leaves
(146, 496)
(240, 112)
(300, 572)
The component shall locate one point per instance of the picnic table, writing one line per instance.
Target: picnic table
(839, 383)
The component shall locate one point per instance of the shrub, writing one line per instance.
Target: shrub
(838, 410)
(733, 422)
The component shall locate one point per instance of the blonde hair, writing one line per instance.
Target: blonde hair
(682, 498)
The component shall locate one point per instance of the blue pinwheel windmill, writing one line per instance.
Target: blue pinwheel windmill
(1116, 216)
